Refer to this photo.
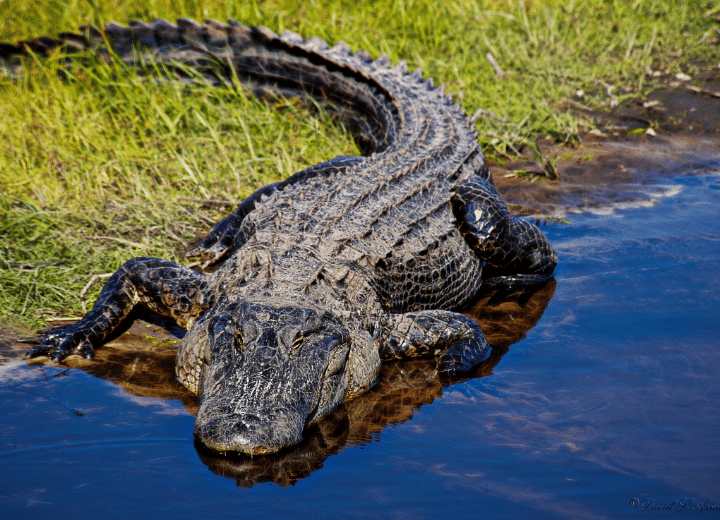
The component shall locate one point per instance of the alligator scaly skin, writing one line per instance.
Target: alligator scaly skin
(326, 273)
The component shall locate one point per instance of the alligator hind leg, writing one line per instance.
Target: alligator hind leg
(230, 234)
(160, 285)
(514, 251)
(456, 339)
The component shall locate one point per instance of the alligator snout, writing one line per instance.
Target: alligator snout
(268, 372)
(250, 433)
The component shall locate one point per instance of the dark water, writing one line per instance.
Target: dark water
(610, 401)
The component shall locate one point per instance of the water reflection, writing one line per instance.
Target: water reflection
(144, 367)
(612, 397)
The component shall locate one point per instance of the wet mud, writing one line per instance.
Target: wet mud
(670, 132)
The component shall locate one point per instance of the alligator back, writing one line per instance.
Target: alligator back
(388, 214)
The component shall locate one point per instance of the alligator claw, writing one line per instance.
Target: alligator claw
(219, 241)
(86, 350)
(59, 344)
(205, 247)
(37, 351)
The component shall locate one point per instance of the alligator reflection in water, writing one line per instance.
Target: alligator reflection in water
(147, 369)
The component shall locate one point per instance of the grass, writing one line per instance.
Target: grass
(102, 166)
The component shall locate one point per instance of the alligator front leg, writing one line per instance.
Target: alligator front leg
(456, 339)
(160, 285)
(233, 231)
(514, 251)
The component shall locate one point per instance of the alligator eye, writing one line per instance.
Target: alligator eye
(239, 341)
(298, 341)
(291, 337)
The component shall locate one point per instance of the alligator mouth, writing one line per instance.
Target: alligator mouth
(250, 433)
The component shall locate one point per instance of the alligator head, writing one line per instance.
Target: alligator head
(267, 373)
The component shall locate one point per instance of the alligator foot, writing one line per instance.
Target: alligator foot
(60, 342)
(515, 252)
(219, 243)
(159, 285)
(457, 340)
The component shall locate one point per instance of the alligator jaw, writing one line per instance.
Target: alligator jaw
(249, 433)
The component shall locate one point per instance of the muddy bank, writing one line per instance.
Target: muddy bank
(676, 128)
(603, 175)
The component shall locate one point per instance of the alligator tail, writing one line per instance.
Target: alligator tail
(369, 95)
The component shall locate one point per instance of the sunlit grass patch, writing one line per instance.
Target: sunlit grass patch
(98, 165)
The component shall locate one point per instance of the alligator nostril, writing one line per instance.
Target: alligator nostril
(250, 433)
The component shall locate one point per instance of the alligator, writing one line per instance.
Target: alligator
(330, 272)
